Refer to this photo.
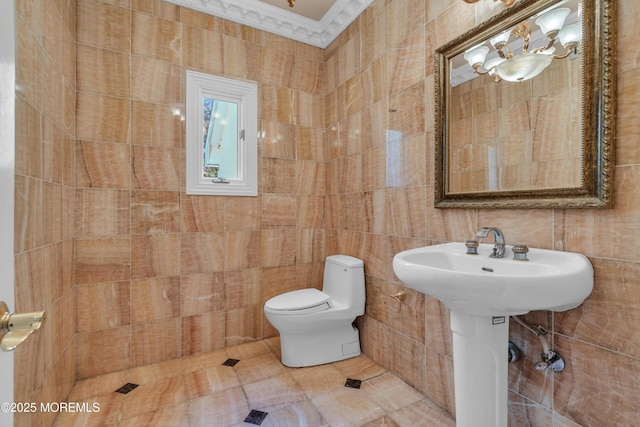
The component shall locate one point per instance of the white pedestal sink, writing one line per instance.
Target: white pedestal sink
(482, 293)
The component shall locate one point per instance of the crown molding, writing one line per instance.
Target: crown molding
(288, 24)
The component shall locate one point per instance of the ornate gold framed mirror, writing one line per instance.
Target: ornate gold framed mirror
(525, 106)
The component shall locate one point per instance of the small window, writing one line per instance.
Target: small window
(222, 137)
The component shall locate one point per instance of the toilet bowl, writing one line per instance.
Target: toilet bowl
(316, 327)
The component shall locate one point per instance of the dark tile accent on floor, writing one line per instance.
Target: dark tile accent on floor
(126, 388)
(230, 362)
(353, 383)
(256, 417)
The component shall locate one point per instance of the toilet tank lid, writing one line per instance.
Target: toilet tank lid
(345, 261)
(298, 300)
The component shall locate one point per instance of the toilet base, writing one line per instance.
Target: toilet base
(318, 348)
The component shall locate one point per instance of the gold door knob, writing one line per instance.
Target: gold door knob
(15, 328)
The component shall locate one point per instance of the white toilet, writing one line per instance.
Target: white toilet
(316, 327)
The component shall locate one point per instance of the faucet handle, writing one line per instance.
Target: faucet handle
(520, 252)
(472, 247)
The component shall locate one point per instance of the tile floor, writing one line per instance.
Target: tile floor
(246, 385)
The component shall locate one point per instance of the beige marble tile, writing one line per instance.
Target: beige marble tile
(155, 81)
(415, 414)
(309, 109)
(243, 325)
(404, 17)
(227, 407)
(258, 368)
(201, 214)
(154, 212)
(105, 351)
(155, 168)
(311, 249)
(274, 392)
(155, 395)
(406, 62)
(525, 412)
(104, 25)
(159, 125)
(347, 407)
(310, 177)
(242, 213)
(201, 252)
(154, 299)
(309, 75)
(319, 380)
(601, 400)
(202, 333)
(242, 59)
(299, 413)
(603, 233)
(208, 60)
(242, 288)
(102, 165)
(102, 118)
(277, 280)
(102, 212)
(102, 260)
(28, 139)
(277, 140)
(243, 249)
(165, 45)
(276, 176)
(166, 416)
(155, 341)
(609, 316)
(440, 381)
(390, 392)
(103, 306)
(201, 293)
(154, 255)
(103, 71)
(211, 380)
(309, 143)
(278, 210)
(408, 360)
(278, 247)
(278, 67)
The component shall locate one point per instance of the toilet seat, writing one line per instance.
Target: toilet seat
(302, 301)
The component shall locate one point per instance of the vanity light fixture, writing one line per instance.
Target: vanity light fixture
(516, 67)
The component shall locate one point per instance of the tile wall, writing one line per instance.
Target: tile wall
(161, 274)
(345, 166)
(380, 123)
(44, 182)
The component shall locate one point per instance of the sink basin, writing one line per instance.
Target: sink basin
(482, 293)
(483, 286)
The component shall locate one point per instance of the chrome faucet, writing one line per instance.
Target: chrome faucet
(498, 248)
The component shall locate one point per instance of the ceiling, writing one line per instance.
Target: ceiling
(315, 22)
(312, 9)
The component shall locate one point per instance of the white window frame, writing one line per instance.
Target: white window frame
(245, 94)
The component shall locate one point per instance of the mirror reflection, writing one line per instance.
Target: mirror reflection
(525, 109)
(515, 119)
(220, 124)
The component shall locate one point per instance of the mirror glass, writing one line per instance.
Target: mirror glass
(518, 107)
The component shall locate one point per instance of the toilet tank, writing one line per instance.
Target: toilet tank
(344, 281)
